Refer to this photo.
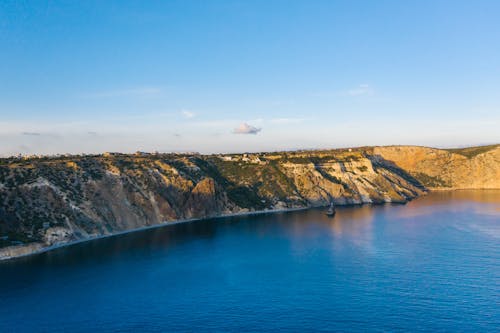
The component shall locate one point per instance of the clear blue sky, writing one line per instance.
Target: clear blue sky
(217, 76)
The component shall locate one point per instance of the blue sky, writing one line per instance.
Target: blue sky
(230, 76)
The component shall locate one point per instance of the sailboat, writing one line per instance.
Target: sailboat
(331, 211)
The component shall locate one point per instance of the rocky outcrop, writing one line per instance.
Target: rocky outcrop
(57, 235)
(206, 199)
(20, 250)
(45, 202)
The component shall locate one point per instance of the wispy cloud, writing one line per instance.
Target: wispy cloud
(188, 114)
(245, 128)
(216, 123)
(132, 92)
(286, 120)
(40, 134)
(361, 90)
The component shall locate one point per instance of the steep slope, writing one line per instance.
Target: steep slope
(54, 200)
(468, 168)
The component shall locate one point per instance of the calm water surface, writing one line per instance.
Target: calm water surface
(430, 265)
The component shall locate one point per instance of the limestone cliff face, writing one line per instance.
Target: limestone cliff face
(349, 182)
(207, 199)
(469, 168)
(54, 200)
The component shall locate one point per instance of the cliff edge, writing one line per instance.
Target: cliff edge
(465, 168)
(48, 201)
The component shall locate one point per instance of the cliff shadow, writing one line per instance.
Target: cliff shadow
(379, 162)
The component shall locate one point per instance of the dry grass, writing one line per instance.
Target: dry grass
(472, 151)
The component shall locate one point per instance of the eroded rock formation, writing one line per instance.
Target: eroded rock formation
(54, 200)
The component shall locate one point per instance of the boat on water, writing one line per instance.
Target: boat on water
(331, 210)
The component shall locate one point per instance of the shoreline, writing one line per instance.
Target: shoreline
(453, 189)
(182, 221)
(149, 227)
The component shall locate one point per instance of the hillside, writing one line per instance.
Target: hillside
(464, 168)
(54, 200)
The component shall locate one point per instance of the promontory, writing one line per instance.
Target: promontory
(52, 200)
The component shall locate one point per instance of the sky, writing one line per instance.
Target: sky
(243, 76)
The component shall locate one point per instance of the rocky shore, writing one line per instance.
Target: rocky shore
(47, 202)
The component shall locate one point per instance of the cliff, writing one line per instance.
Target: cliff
(55, 200)
(467, 168)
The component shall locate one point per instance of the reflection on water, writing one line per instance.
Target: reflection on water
(463, 200)
(482, 196)
(354, 222)
(432, 264)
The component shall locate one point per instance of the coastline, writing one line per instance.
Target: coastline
(42, 249)
(453, 189)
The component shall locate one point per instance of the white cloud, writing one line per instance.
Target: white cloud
(188, 114)
(244, 128)
(256, 120)
(361, 90)
(218, 123)
(286, 120)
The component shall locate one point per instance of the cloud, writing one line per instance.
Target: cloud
(188, 114)
(256, 120)
(220, 123)
(244, 128)
(49, 135)
(361, 90)
(286, 120)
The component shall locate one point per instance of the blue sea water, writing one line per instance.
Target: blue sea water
(431, 265)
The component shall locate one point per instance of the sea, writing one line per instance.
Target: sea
(431, 265)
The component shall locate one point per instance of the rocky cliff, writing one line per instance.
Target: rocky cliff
(467, 168)
(55, 200)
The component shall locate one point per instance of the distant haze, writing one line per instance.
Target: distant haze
(234, 76)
